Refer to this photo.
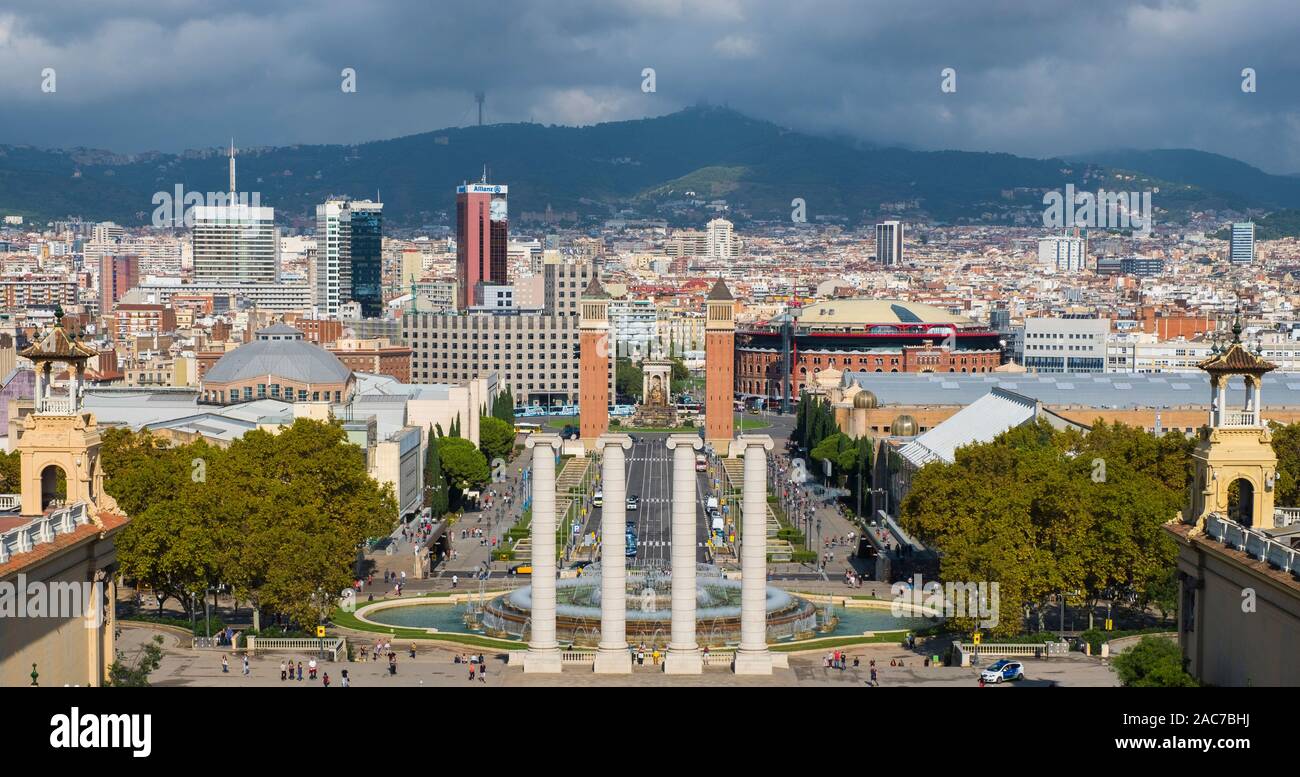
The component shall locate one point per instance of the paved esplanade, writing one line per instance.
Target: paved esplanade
(683, 652)
(612, 655)
(543, 648)
(753, 656)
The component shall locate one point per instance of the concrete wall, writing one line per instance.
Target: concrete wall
(1226, 645)
(64, 650)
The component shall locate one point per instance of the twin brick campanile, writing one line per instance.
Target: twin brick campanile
(719, 367)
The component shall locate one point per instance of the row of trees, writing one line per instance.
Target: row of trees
(453, 465)
(276, 519)
(503, 407)
(851, 458)
(1045, 512)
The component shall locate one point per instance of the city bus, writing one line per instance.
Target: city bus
(527, 428)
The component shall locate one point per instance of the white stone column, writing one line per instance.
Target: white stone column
(683, 653)
(612, 656)
(753, 656)
(543, 649)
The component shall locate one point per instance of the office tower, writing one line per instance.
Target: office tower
(237, 242)
(1242, 245)
(481, 237)
(1066, 253)
(889, 243)
(333, 226)
(366, 238)
(117, 276)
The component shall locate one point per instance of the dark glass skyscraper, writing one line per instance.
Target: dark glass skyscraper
(366, 245)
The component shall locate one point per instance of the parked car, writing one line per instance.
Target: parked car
(633, 502)
(598, 498)
(522, 569)
(1003, 670)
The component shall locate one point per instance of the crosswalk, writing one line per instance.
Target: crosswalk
(662, 544)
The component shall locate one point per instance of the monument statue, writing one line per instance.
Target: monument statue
(656, 409)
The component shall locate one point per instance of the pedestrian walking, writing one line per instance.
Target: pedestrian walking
(311, 669)
(326, 680)
(225, 665)
(347, 681)
(246, 671)
(282, 670)
(299, 671)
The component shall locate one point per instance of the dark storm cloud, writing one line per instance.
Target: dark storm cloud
(1034, 78)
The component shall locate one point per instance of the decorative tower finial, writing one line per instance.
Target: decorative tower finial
(1236, 325)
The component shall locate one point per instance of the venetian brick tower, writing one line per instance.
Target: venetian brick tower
(719, 367)
(594, 364)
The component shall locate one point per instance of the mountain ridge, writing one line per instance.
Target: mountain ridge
(603, 170)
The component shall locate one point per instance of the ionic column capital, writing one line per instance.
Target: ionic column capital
(544, 440)
(608, 439)
(691, 441)
(763, 441)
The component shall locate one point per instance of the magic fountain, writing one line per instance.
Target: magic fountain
(648, 595)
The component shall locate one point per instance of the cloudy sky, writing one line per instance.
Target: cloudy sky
(1034, 77)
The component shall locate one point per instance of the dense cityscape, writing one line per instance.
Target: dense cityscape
(561, 410)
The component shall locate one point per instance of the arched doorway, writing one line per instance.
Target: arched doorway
(1241, 502)
(54, 486)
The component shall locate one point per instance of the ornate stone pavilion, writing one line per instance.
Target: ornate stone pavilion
(1238, 554)
(59, 555)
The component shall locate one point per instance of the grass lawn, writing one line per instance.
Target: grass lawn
(347, 620)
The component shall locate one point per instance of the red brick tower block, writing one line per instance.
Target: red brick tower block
(594, 366)
(719, 368)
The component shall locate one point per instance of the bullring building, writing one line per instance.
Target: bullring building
(858, 335)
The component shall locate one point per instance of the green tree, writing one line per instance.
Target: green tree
(1286, 444)
(628, 378)
(680, 375)
(11, 472)
(124, 674)
(496, 438)
(435, 485)
(464, 465)
(277, 516)
(503, 407)
(1033, 511)
(1154, 662)
(840, 450)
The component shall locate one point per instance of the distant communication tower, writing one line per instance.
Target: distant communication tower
(479, 97)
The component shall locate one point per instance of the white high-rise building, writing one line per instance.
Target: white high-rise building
(889, 243)
(1242, 243)
(1064, 252)
(333, 222)
(721, 240)
(237, 242)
